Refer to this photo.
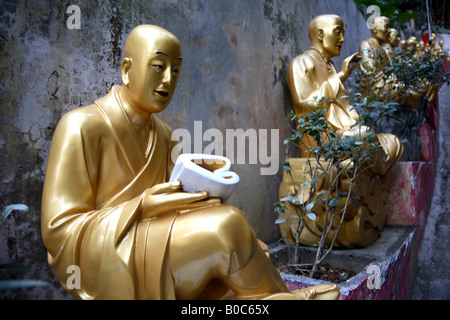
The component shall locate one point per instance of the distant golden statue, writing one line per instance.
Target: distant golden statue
(374, 59)
(393, 42)
(410, 44)
(311, 77)
(108, 208)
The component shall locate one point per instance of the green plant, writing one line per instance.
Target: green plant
(402, 11)
(388, 8)
(334, 156)
(13, 284)
(417, 68)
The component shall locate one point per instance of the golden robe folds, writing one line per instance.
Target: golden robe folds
(89, 196)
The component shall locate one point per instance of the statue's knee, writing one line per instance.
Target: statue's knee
(233, 221)
(215, 229)
(236, 234)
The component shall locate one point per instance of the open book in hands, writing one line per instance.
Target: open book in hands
(205, 172)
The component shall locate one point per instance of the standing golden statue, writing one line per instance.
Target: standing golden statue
(108, 209)
(312, 76)
(374, 60)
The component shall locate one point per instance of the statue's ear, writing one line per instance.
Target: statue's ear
(125, 68)
(374, 28)
(320, 35)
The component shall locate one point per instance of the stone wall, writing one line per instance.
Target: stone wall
(236, 54)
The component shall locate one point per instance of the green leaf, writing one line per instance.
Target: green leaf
(312, 216)
(343, 194)
(11, 208)
(287, 167)
(306, 182)
(279, 221)
(405, 16)
(333, 202)
(279, 209)
(288, 199)
(309, 206)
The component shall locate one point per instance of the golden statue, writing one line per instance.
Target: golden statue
(108, 209)
(312, 76)
(439, 49)
(374, 60)
(410, 44)
(432, 41)
(421, 48)
(393, 42)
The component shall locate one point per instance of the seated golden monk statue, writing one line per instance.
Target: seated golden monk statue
(312, 76)
(374, 60)
(393, 42)
(409, 44)
(108, 208)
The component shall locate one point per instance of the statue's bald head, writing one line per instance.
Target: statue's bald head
(381, 27)
(145, 37)
(411, 43)
(321, 22)
(378, 22)
(150, 68)
(394, 37)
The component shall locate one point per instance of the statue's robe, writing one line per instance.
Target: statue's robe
(373, 81)
(309, 80)
(96, 175)
(390, 51)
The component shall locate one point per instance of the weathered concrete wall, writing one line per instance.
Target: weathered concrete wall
(236, 54)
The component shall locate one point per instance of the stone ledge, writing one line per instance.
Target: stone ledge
(391, 254)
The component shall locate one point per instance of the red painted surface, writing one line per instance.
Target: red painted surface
(412, 184)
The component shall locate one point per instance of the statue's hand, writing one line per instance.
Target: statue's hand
(166, 197)
(347, 69)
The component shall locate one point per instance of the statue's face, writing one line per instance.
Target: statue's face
(382, 29)
(153, 75)
(333, 36)
(394, 38)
